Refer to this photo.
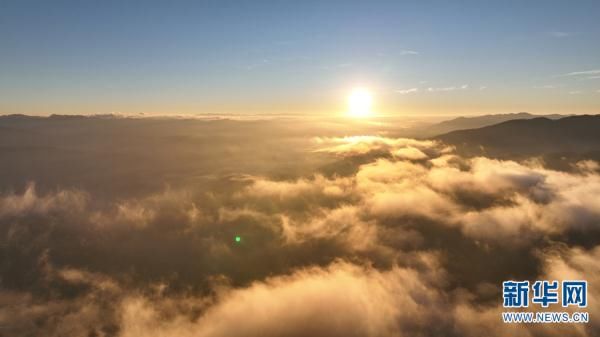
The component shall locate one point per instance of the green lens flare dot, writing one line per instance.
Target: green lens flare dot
(238, 239)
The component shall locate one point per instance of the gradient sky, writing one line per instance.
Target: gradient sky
(417, 57)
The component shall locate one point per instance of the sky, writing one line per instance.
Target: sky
(298, 57)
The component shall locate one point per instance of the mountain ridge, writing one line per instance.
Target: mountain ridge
(473, 122)
(568, 136)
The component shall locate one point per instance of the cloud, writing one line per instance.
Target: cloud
(586, 72)
(453, 88)
(576, 263)
(356, 145)
(257, 64)
(31, 203)
(530, 199)
(408, 52)
(558, 34)
(557, 264)
(381, 304)
(407, 91)
(587, 166)
(410, 153)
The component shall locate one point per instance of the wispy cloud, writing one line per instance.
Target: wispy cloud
(559, 34)
(545, 86)
(408, 52)
(462, 87)
(407, 91)
(440, 89)
(581, 73)
(258, 64)
(575, 92)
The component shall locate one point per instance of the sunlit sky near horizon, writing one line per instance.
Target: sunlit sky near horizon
(300, 57)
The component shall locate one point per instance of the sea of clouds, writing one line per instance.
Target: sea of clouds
(393, 237)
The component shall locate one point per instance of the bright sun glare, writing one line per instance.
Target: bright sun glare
(359, 103)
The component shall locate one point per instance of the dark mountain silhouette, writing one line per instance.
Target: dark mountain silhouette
(464, 123)
(574, 136)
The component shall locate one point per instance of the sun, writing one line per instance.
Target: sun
(360, 101)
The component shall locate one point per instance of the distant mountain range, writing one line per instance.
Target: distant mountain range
(464, 123)
(569, 136)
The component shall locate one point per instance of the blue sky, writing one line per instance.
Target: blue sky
(417, 57)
